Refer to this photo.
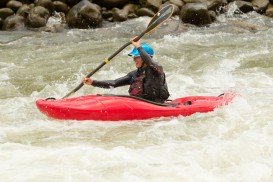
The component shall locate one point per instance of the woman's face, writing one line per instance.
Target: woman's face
(138, 61)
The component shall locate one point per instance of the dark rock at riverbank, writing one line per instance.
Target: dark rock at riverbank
(122, 14)
(60, 6)
(260, 5)
(37, 17)
(5, 12)
(109, 4)
(84, 15)
(145, 12)
(3, 3)
(14, 5)
(269, 11)
(154, 5)
(90, 13)
(14, 22)
(216, 5)
(244, 6)
(195, 13)
(24, 11)
(47, 4)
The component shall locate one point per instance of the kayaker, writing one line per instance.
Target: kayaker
(147, 81)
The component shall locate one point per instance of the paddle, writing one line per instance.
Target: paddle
(158, 19)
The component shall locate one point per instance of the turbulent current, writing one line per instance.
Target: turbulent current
(233, 143)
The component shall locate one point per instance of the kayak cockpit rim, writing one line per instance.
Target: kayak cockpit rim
(166, 104)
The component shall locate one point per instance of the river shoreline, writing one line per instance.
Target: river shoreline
(39, 15)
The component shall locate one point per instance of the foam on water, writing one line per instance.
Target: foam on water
(233, 143)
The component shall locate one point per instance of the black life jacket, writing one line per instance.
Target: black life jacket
(150, 86)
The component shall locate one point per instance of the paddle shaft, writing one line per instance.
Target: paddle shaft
(104, 63)
(158, 19)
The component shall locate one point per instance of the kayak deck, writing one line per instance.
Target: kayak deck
(117, 108)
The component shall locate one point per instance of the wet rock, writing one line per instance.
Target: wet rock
(47, 4)
(132, 15)
(37, 17)
(60, 6)
(32, 5)
(244, 6)
(72, 3)
(110, 19)
(1, 23)
(26, 1)
(14, 5)
(14, 22)
(119, 15)
(260, 5)
(3, 3)
(195, 13)
(63, 1)
(178, 3)
(194, 1)
(84, 15)
(269, 11)
(107, 14)
(215, 5)
(23, 11)
(111, 3)
(145, 12)
(5, 12)
(212, 15)
(176, 10)
(122, 15)
(151, 4)
(97, 6)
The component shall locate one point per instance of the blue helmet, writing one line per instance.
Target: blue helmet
(148, 49)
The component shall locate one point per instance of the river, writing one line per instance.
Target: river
(233, 143)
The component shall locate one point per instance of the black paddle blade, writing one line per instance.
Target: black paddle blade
(160, 17)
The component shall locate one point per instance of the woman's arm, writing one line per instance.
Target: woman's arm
(112, 83)
(149, 62)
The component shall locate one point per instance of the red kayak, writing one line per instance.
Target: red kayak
(119, 107)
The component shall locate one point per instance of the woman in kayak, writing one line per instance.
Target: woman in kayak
(147, 81)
